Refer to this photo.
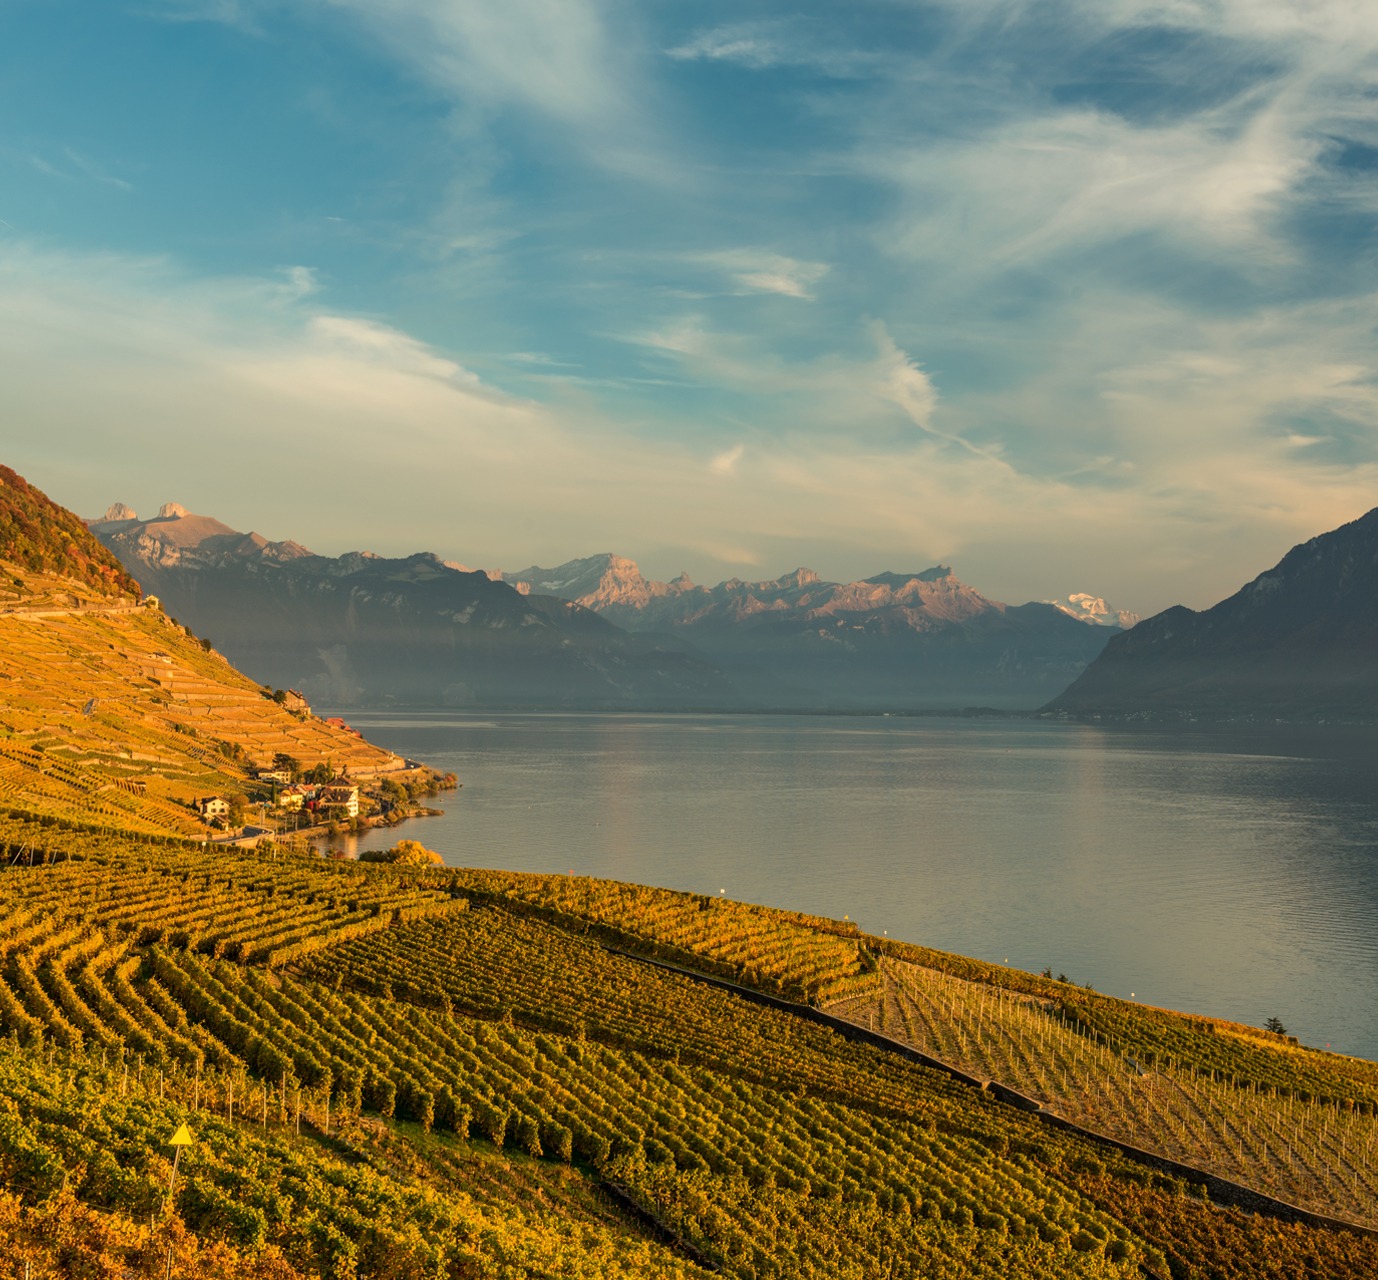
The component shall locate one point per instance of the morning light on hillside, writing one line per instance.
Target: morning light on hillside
(643, 642)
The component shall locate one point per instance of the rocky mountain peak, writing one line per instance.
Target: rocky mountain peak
(898, 581)
(1093, 610)
(117, 512)
(171, 511)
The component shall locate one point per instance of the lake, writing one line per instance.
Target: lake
(1224, 871)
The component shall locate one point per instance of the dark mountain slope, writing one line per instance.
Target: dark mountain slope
(1298, 642)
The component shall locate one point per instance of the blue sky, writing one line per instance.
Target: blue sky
(1074, 295)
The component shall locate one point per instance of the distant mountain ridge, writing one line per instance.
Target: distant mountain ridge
(367, 629)
(891, 640)
(1298, 642)
(594, 632)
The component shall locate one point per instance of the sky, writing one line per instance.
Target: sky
(1073, 295)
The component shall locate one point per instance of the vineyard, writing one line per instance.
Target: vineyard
(360, 1049)
(122, 719)
(271, 905)
(84, 1163)
(1314, 1153)
(1247, 1055)
(801, 957)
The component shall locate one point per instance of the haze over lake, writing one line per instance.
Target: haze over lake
(1223, 871)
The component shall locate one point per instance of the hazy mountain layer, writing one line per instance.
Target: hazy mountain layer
(360, 628)
(1298, 642)
(893, 641)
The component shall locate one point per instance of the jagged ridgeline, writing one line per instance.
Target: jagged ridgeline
(410, 1071)
(112, 713)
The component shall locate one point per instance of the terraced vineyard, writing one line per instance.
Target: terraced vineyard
(431, 1020)
(86, 1169)
(122, 719)
(1315, 1153)
(1247, 1055)
(421, 1072)
(802, 957)
(264, 905)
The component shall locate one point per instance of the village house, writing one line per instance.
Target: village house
(214, 807)
(336, 800)
(292, 798)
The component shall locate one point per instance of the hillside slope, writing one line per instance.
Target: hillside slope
(365, 629)
(48, 558)
(1299, 642)
(110, 712)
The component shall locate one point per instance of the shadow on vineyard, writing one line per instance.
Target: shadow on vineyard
(421, 1071)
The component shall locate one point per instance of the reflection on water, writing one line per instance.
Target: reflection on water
(1225, 872)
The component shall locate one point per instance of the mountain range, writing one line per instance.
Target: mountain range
(1299, 642)
(895, 640)
(365, 629)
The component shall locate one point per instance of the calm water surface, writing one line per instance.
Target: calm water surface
(1224, 872)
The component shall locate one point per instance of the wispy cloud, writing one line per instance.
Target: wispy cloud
(229, 12)
(365, 340)
(760, 271)
(573, 64)
(76, 166)
(762, 45)
(725, 463)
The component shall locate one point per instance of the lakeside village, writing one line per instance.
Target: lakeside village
(284, 798)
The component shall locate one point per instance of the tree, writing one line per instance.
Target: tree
(406, 853)
(290, 765)
(238, 804)
(1275, 1025)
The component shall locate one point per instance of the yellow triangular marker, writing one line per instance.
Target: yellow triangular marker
(182, 1138)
